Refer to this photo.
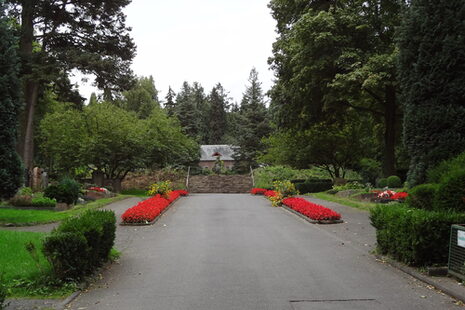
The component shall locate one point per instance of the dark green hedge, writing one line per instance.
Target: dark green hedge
(81, 244)
(414, 236)
(422, 196)
(313, 185)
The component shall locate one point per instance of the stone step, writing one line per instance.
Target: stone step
(220, 184)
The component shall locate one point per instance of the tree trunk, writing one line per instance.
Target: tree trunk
(389, 163)
(31, 85)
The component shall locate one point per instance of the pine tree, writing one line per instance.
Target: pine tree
(187, 113)
(219, 103)
(202, 110)
(254, 123)
(170, 103)
(432, 73)
(11, 171)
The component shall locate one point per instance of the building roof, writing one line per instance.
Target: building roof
(207, 152)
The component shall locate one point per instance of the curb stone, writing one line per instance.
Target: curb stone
(412, 272)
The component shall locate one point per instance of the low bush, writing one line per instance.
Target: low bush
(66, 191)
(349, 185)
(451, 192)
(285, 188)
(422, 196)
(21, 200)
(370, 170)
(441, 171)
(314, 185)
(44, 202)
(414, 236)
(81, 244)
(382, 183)
(161, 188)
(394, 181)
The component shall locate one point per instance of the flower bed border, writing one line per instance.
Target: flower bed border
(324, 222)
(154, 220)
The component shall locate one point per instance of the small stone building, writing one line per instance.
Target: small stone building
(209, 154)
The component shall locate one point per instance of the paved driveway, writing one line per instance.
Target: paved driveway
(237, 252)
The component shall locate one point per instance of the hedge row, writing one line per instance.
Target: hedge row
(414, 236)
(81, 244)
(313, 185)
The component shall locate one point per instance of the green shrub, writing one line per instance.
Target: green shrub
(349, 185)
(370, 170)
(68, 253)
(44, 202)
(3, 293)
(422, 196)
(451, 192)
(286, 188)
(436, 174)
(25, 191)
(21, 201)
(381, 183)
(66, 191)
(414, 236)
(91, 235)
(394, 181)
(314, 185)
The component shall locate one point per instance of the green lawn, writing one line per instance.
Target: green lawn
(354, 203)
(34, 217)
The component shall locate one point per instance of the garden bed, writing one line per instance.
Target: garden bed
(147, 212)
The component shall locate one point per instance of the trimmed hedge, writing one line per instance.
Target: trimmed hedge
(414, 236)
(394, 181)
(451, 192)
(422, 196)
(81, 244)
(314, 185)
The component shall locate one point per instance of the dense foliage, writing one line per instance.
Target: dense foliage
(11, 170)
(432, 75)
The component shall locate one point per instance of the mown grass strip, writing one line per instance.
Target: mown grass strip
(19, 217)
(366, 206)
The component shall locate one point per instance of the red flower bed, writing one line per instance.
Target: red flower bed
(258, 191)
(399, 196)
(146, 211)
(97, 189)
(270, 193)
(311, 210)
(182, 192)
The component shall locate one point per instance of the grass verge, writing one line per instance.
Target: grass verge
(366, 206)
(19, 217)
(27, 273)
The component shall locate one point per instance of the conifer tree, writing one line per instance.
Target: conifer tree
(432, 73)
(11, 171)
(219, 103)
(187, 113)
(170, 103)
(254, 123)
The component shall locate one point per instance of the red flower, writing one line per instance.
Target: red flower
(146, 211)
(258, 191)
(311, 210)
(399, 196)
(97, 189)
(270, 193)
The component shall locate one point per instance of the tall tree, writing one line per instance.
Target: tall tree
(170, 103)
(254, 125)
(219, 103)
(432, 72)
(60, 35)
(335, 56)
(202, 109)
(142, 98)
(187, 113)
(11, 171)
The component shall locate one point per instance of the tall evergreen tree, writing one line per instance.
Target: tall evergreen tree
(202, 110)
(187, 113)
(142, 98)
(170, 103)
(11, 171)
(58, 36)
(432, 73)
(254, 124)
(219, 103)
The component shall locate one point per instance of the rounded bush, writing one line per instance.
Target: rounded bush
(422, 196)
(451, 192)
(382, 182)
(394, 181)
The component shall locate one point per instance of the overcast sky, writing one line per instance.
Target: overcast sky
(208, 41)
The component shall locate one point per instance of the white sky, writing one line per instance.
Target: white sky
(208, 41)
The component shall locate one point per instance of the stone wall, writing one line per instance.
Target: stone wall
(220, 184)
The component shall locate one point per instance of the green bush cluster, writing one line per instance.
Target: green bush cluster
(394, 181)
(382, 183)
(451, 192)
(286, 188)
(314, 185)
(44, 202)
(414, 236)
(441, 171)
(81, 244)
(422, 196)
(66, 191)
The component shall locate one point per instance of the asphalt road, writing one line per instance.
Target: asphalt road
(237, 252)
